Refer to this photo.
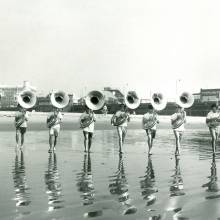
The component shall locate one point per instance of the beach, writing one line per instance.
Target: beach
(71, 184)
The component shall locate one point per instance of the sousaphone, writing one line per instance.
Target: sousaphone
(132, 101)
(27, 98)
(184, 100)
(59, 99)
(94, 100)
(158, 101)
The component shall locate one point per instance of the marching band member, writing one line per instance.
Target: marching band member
(87, 123)
(178, 120)
(120, 119)
(213, 122)
(53, 123)
(21, 118)
(149, 123)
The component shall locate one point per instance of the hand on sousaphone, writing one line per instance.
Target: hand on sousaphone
(20, 119)
(213, 122)
(120, 118)
(181, 116)
(151, 121)
(51, 120)
(179, 119)
(54, 119)
(86, 120)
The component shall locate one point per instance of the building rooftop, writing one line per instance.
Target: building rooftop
(204, 90)
(25, 84)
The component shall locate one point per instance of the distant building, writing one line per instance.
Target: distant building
(119, 97)
(8, 94)
(207, 95)
(196, 97)
(109, 97)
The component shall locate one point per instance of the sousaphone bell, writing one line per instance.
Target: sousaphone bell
(27, 98)
(95, 100)
(185, 100)
(158, 101)
(59, 99)
(132, 101)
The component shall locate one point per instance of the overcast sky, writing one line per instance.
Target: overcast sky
(78, 45)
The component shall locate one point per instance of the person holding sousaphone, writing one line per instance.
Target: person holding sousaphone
(213, 122)
(94, 101)
(150, 120)
(120, 119)
(149, 123)
(53, 123)
(59, 100)
(178, 121)
(21, 118)
(87, 124)
(26, 100)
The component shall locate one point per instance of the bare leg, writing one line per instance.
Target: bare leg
(89, 141)
(22, 140)
(55, 142)
(214, 138)
(124, 132)
(119, 129)
(177, 137)
(50, 143)
(152, 139)
(150, 143)
(85, 140)
(17, 137)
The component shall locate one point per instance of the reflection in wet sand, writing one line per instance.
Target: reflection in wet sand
(22, 190)
(86, 187)
(20, 183)
(53, 185)
(85, 181)
(212, 185)
(199, 142)
(119, 186)
(99, 196)
(148, 184)
(176, 191)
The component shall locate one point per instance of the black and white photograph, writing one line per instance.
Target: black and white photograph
(109, 110)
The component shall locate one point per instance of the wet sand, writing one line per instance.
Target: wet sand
(103, 185)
